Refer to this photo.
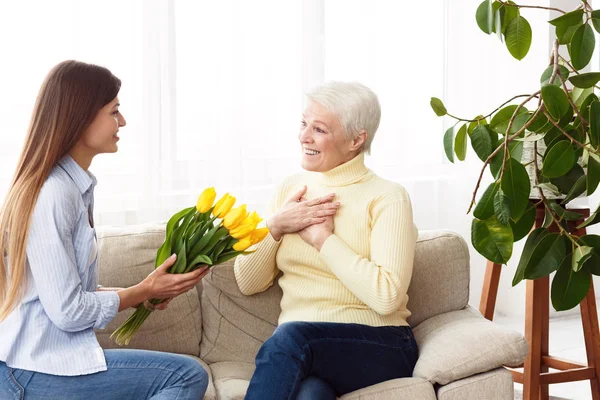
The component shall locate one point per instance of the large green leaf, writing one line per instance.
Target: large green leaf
(558, 160)
(485, 16)
(481, 141)
(569, 288)
(547, 256)
(502, 208)
(518, 37)
(492, 240)
(510, 13)
(594, 120)
(556, 101)
(593, 264)
(566, 182)
(591, 220)
(540, 124)
(564, 213)
(596, 20)
(568, 19)
(500, 120)
(476, 123)
(438, 107)
(564, 33)
(586, 80)
(585, 106)
(515, 151)
(523, 226)
(547, 74)
(577, 189)
(593, 175)
(460, 143)
(485, 206)
(580, 256)
(448, 143)
(516, 186)
(534, 238)
(582, 46)
(579, 95)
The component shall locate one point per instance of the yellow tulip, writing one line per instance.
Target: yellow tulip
(258, 235)
(205, 200)
(243, 244)
(223, 206)
(246, 226)
(235, 217)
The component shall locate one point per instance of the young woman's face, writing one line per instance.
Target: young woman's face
(102, 134)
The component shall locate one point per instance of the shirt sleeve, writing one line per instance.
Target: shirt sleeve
(381, 282)
(256, 272)
(52, 262)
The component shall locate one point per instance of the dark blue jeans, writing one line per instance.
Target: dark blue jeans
(319, 360)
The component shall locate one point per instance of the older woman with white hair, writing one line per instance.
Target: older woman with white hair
(345, 240)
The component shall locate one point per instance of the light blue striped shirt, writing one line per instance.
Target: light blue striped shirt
(52, 328)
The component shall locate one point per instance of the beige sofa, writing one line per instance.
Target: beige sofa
(461, 353)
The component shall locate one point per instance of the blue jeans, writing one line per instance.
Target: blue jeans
(131, 374)
(321, 360)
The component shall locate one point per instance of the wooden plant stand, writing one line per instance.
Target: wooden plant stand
(535, 376)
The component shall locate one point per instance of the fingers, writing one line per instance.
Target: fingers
(299, 194)
(168, 263)
(321, 200)
(164, 304)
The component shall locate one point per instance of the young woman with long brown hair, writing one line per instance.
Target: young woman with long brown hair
(50, 302)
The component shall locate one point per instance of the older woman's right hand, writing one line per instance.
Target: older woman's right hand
(162, 285)
(297, 213)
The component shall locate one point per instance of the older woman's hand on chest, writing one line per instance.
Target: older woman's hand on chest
(317, 234)
(298, 213)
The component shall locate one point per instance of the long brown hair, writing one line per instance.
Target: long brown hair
(67, 103)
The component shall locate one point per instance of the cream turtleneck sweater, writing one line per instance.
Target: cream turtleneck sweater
(362, 273)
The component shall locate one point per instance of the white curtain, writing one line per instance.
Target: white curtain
(213, 92)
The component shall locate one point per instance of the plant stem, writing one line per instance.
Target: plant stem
(540, 7)
(584, 123)
(571, 138)
(485, 116)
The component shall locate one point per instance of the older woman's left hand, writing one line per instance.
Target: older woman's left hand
(317, 234)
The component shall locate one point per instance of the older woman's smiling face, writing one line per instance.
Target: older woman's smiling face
(323, 140)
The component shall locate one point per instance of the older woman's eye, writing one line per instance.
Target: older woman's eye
(303, 123)
(319, 130)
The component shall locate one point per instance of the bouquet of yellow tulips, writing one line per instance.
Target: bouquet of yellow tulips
(195, 235)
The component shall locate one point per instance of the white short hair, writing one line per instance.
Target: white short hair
(355, 105)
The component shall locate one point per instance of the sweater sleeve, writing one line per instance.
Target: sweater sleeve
(255, 273)
(381, 282)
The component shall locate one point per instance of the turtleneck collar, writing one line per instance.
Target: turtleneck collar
(346, 174)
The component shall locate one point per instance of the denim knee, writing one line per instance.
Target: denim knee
(288, 337)
(193, 374)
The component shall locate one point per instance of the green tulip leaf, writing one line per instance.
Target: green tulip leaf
(582, 46)
(586, 80)
(556, 101)
(515, 185)
(448, 143)
(460, 143)
(559, 160)
(518, 37)
(438, 107)
(492, 240)
(569, 288)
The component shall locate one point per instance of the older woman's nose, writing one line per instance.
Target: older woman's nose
(305, 135)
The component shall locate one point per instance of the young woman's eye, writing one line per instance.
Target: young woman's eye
(115, 112)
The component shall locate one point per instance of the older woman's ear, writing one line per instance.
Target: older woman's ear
(359, 141)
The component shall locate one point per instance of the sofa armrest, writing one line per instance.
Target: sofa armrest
(462, 343)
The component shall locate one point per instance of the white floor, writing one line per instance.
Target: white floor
(566, 341)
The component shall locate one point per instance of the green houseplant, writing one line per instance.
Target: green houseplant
(559, 126)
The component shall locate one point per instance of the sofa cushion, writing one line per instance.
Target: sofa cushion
(395, 389)
(440, 280)
(126, 257)
(496, 384)
(235, 325)
(231, 379)
(463, 343)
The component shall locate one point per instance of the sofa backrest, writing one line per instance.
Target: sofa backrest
(231, 326)
(235, 326)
